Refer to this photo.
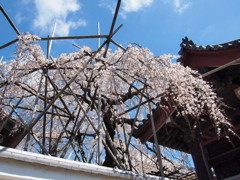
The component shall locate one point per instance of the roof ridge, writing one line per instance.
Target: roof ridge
(189, 44)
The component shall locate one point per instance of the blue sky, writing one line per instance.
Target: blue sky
(158, 25)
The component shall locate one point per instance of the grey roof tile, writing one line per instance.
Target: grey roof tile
(189, 44)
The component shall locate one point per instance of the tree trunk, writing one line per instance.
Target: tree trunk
(111, 130)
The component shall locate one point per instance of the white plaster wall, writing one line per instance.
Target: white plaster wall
(16, 164)
(14, 169)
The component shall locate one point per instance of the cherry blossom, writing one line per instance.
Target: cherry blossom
(107, 88)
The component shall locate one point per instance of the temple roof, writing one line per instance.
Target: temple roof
(193, 56)
(175, 132)
(189, 44)
(211, 56)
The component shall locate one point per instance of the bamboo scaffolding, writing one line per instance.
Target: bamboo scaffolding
(9, 20)
(70, 121)
(9, 115)
(112, 26)
(156, 142)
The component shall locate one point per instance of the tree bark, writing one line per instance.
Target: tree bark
(111, 130)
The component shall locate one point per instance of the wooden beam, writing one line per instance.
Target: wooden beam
(59, 38)
(215, 138)
(221, 67)
(112, 26)
(74, 37)
(9, 20)
(226, 156)
(9, 43)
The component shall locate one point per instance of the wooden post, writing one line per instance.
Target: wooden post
(99, 150)
(200, 162)
(156, 142)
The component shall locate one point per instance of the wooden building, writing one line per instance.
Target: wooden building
(213, 156)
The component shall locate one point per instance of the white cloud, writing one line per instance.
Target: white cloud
(127, 6)
(18, 18)
(63, 27)
(179, 6)
(51, 11)
(135, 5)
(108, 4)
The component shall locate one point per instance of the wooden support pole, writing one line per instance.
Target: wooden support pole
(112, 26)
(134, 107)
(9, 115)
(117, 44)
(73, 37)
(156, 142)
(99, 147)
(149, 99)
(59, 38)
(9, 43)
(221, 67)
(45, 72)
(34, 112)
(200, 162)
(132, 129)
(51, 103)
(9, 20)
